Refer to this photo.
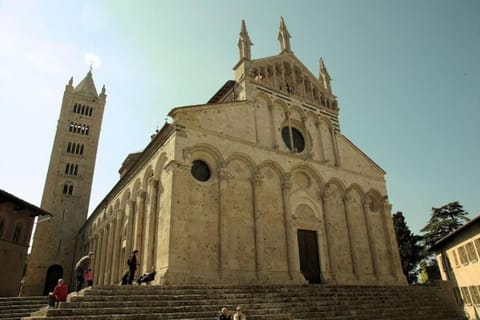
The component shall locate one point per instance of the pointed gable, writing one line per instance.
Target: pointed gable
(87, 86)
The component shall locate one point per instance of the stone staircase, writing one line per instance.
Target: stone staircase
(259, 302)
(13, 308)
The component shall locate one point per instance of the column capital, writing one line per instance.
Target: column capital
(152, 182)
(141, 194)
(285, 181)
(257, 179)
(224, 174)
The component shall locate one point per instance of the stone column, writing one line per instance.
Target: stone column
(346, 200)
(96, 257)
(335, 146)
(290, 134)
(108, 264)
(139, 218)
(130, 215)
(390, 239)
(320, 141)
(371, 244)
(324, 196)
(116, 246)
(308, 146)
(223, 177)
(274, 77)
(256, 182)
(272, 125)
(157, 213)
(149, 242)
(286, 187)
(103, 255)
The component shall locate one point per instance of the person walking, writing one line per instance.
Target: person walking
(80, 268)
(132, 266)
(59, 294)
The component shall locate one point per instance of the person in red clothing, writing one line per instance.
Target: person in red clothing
(59, 293)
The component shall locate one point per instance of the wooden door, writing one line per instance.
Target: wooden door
(308, 253)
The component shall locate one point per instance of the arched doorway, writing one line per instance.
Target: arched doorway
(308, 252)
(54, 273)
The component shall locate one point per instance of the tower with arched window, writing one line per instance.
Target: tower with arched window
(67, 187)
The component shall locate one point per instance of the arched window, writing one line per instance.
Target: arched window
(83, 109)
(86, 131)
(69, 147)
(77, 149)
(2, 227)
(90, 112)
(70, 189)
(76, 169)
(67, 168)
(65, 189)
(75, 108)
(81, 149)
(18, 232)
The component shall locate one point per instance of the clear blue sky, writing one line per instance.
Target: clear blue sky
(406, 73)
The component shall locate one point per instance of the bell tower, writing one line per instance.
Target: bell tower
(67, 187)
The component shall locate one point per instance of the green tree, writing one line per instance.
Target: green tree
(411, 251)
(443, 221)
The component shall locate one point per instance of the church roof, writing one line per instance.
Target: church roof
(87, 86)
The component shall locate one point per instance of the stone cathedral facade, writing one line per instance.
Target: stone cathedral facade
(258, 186)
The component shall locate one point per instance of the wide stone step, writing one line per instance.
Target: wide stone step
(259, 302)
(14, 308)
(149, 316)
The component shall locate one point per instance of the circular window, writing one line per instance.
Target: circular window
(200, 170)
(297, 137)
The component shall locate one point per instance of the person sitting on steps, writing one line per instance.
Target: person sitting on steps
(225, 315)
(147, 277)
(239, 315)
(59, 294)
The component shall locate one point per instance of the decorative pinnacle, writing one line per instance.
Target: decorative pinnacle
(244, 42)
(324, 76)
(284, 37)
(323, 68)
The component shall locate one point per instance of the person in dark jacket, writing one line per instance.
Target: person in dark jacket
(132, 266)
(147, 277)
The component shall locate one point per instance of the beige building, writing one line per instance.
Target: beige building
(67, 187)
(459, 261)
(16, 223)
(259, 185)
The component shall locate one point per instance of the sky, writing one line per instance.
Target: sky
(406, 74)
